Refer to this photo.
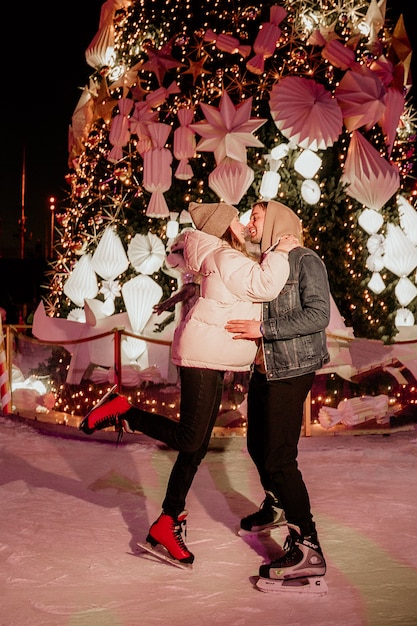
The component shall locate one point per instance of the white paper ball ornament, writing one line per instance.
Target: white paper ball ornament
(307, 164)
(310, 191)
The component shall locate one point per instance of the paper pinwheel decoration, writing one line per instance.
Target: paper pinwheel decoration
(305, 112)
(361, 97)
(146, 253)
(372, 179)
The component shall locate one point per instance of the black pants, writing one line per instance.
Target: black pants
(275, 414)
(201, 394)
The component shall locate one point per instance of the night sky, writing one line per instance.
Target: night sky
(44, 71)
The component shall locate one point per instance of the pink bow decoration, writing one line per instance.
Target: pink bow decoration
(157, 172)
(338, 55)
(266, 40)
(227, 43)
(160, 95)
(120, 130)
(184, 144)
(139, 123)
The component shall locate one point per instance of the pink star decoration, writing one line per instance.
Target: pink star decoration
(160, 61)
(227, 131)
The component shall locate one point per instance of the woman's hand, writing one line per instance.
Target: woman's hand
(287, 243)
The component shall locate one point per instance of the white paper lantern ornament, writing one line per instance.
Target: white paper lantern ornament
(404, 317)
(405, 291)
(376, 284)
(371, 221)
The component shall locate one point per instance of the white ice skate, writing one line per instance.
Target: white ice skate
(311, 586)
(300, 569)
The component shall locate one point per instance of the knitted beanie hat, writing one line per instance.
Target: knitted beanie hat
(214, 218)
(280, 220)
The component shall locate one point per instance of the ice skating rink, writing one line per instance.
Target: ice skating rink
(73, 510)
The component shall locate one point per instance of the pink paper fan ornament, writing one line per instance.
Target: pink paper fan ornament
(361, 97)
(305, 112)
(372, 179)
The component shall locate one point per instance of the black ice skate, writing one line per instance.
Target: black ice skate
(299, 570)
(269, 516)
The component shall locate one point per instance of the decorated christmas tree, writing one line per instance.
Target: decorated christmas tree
(305, 101)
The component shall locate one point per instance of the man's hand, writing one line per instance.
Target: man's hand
(244, 329)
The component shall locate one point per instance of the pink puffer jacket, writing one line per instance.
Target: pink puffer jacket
(232, 287)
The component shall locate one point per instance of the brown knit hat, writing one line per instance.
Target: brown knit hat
(280, 220)
(213, 219)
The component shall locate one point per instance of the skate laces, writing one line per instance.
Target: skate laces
(292, 554)
(180, 526)
(120, 431)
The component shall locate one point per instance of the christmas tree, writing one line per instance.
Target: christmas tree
(305, 101)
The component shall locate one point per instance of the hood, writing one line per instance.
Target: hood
(280, 220)
(197, 246)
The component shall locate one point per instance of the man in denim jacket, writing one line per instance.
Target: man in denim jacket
(292, 347)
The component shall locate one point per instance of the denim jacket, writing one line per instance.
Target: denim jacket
(294, 324)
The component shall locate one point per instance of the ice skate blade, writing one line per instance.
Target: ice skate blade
(313, 586)
(263, 531)
(161, 554)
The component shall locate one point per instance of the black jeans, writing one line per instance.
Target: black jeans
(201, 394)
(275, 414)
